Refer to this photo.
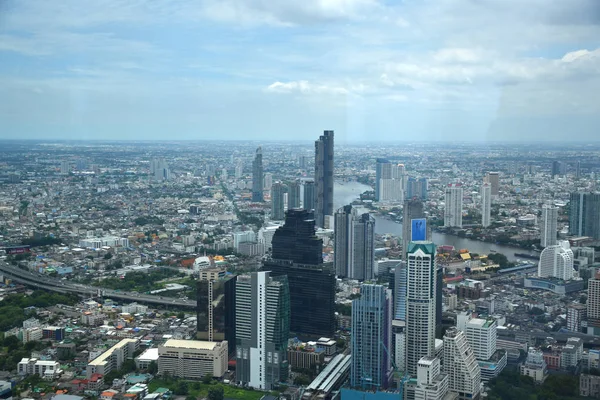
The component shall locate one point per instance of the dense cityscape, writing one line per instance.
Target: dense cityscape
(247, 270)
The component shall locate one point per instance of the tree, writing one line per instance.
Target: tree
(207, 379)
(180, 315)
(190, 397)
(181, 388)
(108, 256)
(216, 393)
(152, 367)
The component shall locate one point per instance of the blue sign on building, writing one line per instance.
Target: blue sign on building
(418, 229)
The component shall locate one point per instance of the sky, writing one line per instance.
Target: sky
(372, 70)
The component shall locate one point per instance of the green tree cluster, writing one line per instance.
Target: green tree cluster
(511, 385)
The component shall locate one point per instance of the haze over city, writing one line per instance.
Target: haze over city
(446, 70)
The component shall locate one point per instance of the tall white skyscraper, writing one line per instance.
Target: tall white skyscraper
(593, 305)
(548, 227)
(464, 375)
(268, 181)
(65, 167)
(354, 244)
(486, 204)
(453, 209)
(420, 303)
(159, 169)
(262, 321)
(557, 261)
(390, 181)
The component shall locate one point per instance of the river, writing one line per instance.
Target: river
(346, 192)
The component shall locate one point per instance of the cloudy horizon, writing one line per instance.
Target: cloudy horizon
(414, 70)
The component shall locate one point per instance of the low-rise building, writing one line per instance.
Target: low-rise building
(48, 370)
(192, 358)
(589, 385)
(143, 360)
(112, 358)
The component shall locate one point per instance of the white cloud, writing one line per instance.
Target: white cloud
(304, 87)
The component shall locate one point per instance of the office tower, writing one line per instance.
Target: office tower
(268, 181)
(390, 181)
(486, 204)
(65, 167)
(323, 177)
(294, 195)
(239, 170)
(383, 170)
(453, 208)
(493, 178)
(224, 174)
(482, 335)
(420, 303)
(216, 308)
(159, 169)
(584, 216)
(371, 366)
(257, 176)
(593, 305)
(558, 168)
(262, 321)
(548, 229)
(557, 261)
(309, 196)
(354, 244)
(464, 375)
(416, 188)
(575, 315)
(432, 384)
(400, 292)
(297, 253)
(413, 209)
(277, 206)
(578, 169)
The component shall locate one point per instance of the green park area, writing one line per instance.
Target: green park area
(208, 388)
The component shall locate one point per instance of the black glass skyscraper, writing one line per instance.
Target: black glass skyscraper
(309, 195)
(297, 253)
(216, 310)
(584, 215)
(323, 177)
(257, 177)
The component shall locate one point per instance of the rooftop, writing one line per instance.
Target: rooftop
(191, 344)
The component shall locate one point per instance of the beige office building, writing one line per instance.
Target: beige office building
(192, 358)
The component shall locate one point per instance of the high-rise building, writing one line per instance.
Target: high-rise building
(417, 188)
(262, 321)
(584, 215)
(420, 303)
(400, 292)
(578, 169)
(593, 305)
(323, 177)
(257, 176)
(575, 315)
(277, 201)
(354, 244)
(432, 383)
(548, 229)
(239, 170)
(159, 169)
(268, 181)
(371, 367)
(482, 335)
(390, 181)
(413, 209)
(297, 253)
(486, 204)
(453, 207)
(464, 375)
(493, 178)
(557, 261)
(65, 167)
(216, 309)
(558, 168)
(294, 195)
(309, 196)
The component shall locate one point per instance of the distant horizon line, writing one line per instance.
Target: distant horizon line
(538, 142)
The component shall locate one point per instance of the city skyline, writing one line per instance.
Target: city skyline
(109, 69)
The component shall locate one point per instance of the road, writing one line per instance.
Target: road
(45, 282)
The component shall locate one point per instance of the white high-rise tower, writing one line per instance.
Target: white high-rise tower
(453, 209)
(557, 261)
(548, 228)
(486, 204)
(420, 303)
